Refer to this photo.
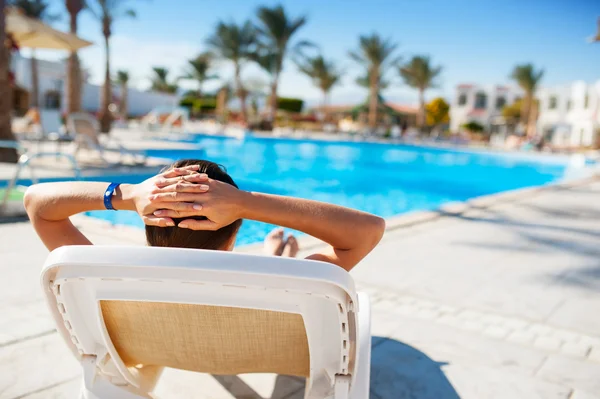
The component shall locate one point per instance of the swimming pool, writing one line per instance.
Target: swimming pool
(385, 179)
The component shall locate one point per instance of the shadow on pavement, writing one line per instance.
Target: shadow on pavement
(398, 371)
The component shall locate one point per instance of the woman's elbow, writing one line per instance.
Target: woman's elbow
(376, 228)
(31, 199)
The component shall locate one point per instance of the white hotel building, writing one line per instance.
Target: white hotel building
(52, 86)
(569, 115)
(481, 104)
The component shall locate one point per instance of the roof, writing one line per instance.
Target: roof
(401, 108)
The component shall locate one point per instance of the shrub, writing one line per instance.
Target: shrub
(473, 127)
(290, 104)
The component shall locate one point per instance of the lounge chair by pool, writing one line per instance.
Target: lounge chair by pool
(127, 312)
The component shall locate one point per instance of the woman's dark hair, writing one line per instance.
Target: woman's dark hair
(197, 239)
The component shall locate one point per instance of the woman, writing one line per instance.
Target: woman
(196, 204)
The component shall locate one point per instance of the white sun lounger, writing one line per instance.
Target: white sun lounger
(86, 131)
(127, 312)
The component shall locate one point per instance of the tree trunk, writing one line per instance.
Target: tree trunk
(123, 104)
(241, 92)
(324, 105)
(6, 154)
(373, 99)
(273, 99)
(525, 110)
(34, 100)
(421, 115)
(105, 116)
(531, 119)
(74, 80)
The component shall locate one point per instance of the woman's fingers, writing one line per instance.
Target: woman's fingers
(182, 187)
(169, 213)
(173, 196)
(192, 178)
(185, 170)
(198, 224)
(152, 220)
(191, 207)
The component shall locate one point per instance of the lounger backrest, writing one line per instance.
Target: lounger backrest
(84, 125)
(207, 311)
(209, 339)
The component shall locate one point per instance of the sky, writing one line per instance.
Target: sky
(474, 41)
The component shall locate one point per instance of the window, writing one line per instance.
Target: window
(569, 104)
(500, 102)
(552, 102)
(480, 101)
(462, 99)
(586, 102)
(52, 99)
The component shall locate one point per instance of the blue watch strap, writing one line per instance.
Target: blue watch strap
(108, 195)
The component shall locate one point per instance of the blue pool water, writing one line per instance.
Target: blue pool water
(383, 179)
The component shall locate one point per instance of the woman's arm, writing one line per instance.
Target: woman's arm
(351, 234)
(49, 205)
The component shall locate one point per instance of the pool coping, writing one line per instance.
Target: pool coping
(406, 220)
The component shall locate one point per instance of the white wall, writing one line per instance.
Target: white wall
(52, 77)
(575, 125)
(461, 114)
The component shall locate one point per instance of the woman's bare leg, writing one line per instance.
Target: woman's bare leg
(273, 244)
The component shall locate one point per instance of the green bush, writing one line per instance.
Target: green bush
(290, 104)
(474, 127)
(198, 105)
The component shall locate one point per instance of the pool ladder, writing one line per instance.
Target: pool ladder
(24, 161)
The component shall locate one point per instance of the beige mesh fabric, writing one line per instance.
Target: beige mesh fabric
(86, 128)
(208, 339)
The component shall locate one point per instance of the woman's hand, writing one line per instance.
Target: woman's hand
(139, 194)
(221, 204)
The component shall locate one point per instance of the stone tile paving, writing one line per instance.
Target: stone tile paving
(486, 303)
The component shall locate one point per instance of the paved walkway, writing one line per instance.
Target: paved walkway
(500, 302)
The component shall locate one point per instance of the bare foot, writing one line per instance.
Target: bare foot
(291, 248)
(273, 244)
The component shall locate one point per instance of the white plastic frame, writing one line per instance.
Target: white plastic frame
(76, 278)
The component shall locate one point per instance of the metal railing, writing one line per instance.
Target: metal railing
(24, 161)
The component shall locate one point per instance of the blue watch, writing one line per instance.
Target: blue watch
(110, 190)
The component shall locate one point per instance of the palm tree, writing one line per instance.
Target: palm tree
(421, 75)
(74, 82)
(160, 81)
(122, 79)
(107, 12)
(323, 73)
(198, 70)
(36, 9)
(528, 79)
(236, 43)
(365, 81)
(375, 54)
(6, 154)
(275, 31)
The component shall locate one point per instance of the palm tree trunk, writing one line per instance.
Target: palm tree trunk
(74, 80)
(273, 99)
(241, 93)
(525, 109)
(34, 101)
(123, 104)
(324, 105)
(6, 154)
(531, 119)
(421, 116)
(105, 117)
(373, 99)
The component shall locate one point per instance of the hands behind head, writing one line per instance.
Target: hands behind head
(181, 193)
